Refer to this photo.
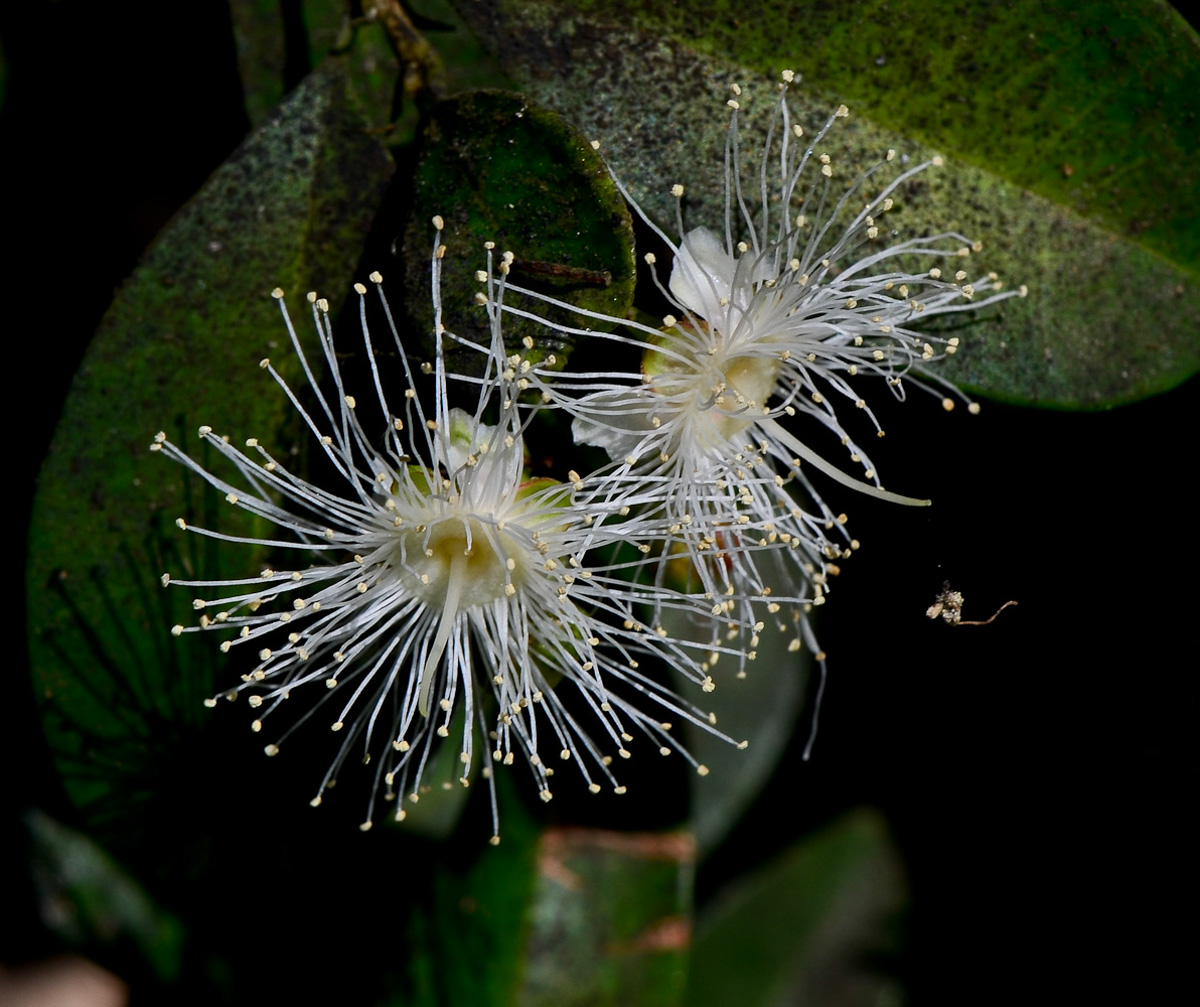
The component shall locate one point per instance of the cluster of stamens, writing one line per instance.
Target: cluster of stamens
(442, 565)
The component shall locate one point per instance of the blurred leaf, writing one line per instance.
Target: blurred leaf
(609, 923)
(274, 40)
(565, 917)
(1093, 108)
(442, 796)
(762, 708)
(499, 168)
(88, 900)
(179, 346)
(467, 947)
(468, 65)
(258, 32)
(803, 930)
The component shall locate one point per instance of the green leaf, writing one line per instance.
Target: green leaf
(1069, 137)
(258, 33)
(467, 63)
(443, 795)
(762, 708)
(609, 922)
(469, 947)
(563, 917)
(180, 346)
(89, 900)
(500, 168)
(799, 930)
(268, 34)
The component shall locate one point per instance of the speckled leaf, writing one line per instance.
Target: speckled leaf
(1070, 138)
(500, 168)
(609, 923)
(801, 929)
(180, 346)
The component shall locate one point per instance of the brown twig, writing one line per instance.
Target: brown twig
(560, 271)
(948, 605)
(984, 622)
(423, 70)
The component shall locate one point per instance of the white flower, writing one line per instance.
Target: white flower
(787, 313)
(802, 299)
(439, 563)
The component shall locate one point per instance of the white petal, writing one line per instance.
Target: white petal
(465, 438)
(613, 420)
(702, 273)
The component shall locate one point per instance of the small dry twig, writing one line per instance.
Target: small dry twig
(423, 69)
(949, 605)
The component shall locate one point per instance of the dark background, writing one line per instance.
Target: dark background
(1035, 772)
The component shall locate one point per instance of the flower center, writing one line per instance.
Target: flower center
(751, 380)
(716, 394)
(456, 564)
(721, 398)
(460, 547)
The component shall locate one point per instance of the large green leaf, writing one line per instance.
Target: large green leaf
(1069, 137)
(563, 917)
(610, 919)
(761, 707)
(469, 948)
(179, 347)
(802, 929)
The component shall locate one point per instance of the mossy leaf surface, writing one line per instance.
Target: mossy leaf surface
(1070, 141)
(500, 168)
(179, 347)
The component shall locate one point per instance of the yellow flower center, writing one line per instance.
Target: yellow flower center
(715, 397)
(446, 552)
